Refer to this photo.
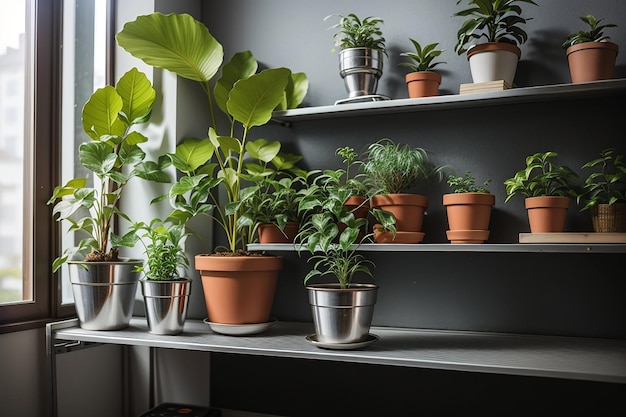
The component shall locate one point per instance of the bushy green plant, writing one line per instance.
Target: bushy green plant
(467, 184)
(493, 21)
(246, 97)
(607, 183)
(393, 168)
(594, 34)
(354, 32)
(350, 177)
(423, 57)
(163, 244)
(114, 156)
(541, 177)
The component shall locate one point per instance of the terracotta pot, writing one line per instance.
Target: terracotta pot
(401, 237)
(547, 214)
(493, 61)
(358, 205)
(408, 209)
(238, 289)
(608, 218)
(467, 213)
(271, 233)
(423, 84)
(591, 61)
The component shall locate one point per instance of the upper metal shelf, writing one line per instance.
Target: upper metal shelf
(456, 101)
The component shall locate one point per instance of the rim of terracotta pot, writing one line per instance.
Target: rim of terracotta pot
(399, 199)
(592, 45)
(547, 201)
(423, 75)
(469, 198)
(213, 262)
(494, 46)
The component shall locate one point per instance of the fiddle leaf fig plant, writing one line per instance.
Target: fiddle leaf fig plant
(541, 177)
(491, 21)
(594, 34)
(114, 156)
(246, 97)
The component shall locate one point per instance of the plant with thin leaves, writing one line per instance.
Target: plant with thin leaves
(607, 183)
(165, 255)
(594, 34)
(493, 21)
(393, 168)
(542, 177)
(354, 32)
(467, 184)
(423, 57)
(114, 155)
(246, 97)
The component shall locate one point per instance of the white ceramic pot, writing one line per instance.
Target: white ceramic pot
(493, 62)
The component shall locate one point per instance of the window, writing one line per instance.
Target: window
(33, 159)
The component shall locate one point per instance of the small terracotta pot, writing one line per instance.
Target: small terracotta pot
(408, 209)
(547, 214)
(238, 289)
(423, 84)
(468, 216)
(401, 237)
(592, 61)
(271, 233)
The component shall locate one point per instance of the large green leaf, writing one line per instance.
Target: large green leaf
(137, 95)
(252, 100)
(192, 153)
(263, 150)
(100, 114)
(175, 42)
(242, 65)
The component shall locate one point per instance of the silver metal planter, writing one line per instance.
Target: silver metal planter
(342, 315)
(360, 69)
(104, 293)
(166, 304)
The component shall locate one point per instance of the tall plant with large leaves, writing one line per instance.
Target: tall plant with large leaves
(183, 45)
(114, 156)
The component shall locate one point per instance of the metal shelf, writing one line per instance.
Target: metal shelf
(524, 355)
(447, 247)
(456, 101)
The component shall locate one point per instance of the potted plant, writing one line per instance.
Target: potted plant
(604, 192)
(238, 285)
(393, 169)
(468, 208)
(590, 54)
(547, 189)
(362, 47)
(499, 24)
(165, 291)
(342, 311)
(103, 283)
(422, 81)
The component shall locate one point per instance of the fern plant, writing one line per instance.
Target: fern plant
(467, 184)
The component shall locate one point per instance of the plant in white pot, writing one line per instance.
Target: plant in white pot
(342, 311)
(214, 166)
(103, 283)
(498, 23)
(165, 286)
(362, 50)
(591, 54)
(423, 81)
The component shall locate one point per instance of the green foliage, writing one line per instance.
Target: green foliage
(394, 168)
(163, 244)
(348, 178)
(114, 156)
(594, 34)
(607, 183)
(422, 58)
(467, 184)
(493, 21)
(246, 97)
(354, 32)
(541, 177)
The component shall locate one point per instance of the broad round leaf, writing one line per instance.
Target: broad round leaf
(137, 95)
(100, 114)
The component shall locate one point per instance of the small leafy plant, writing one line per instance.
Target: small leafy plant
(422, 59)
(467, 184)
(354, 32)
(394, 168)
(349, 178)
(493, 21)
(163, 244)
(594, 34)
(541, 177)
(607, 184)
